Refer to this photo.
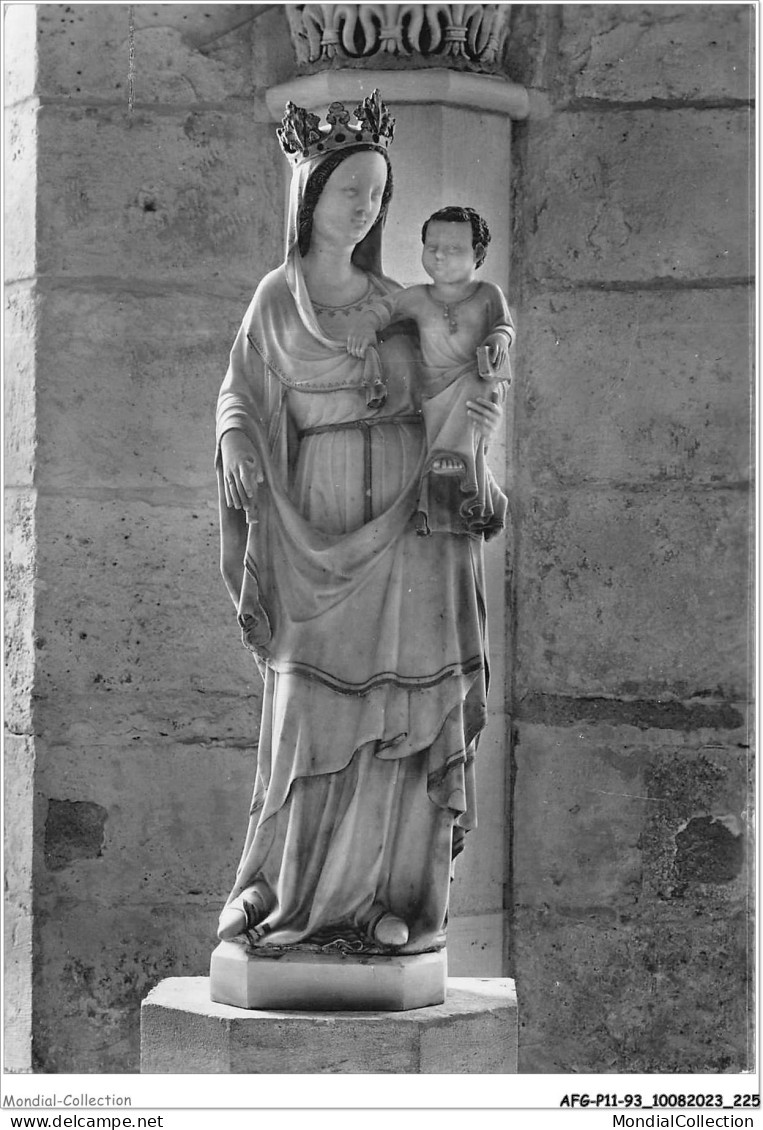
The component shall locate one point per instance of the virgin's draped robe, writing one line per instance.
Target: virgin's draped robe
(371, 640)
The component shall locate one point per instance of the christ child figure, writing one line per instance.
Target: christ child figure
(465, 332)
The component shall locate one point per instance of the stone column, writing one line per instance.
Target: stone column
(452, 146)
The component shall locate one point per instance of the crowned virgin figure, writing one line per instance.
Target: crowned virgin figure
(370, 640)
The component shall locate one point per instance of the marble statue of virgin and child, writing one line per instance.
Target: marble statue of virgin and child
(367, 624)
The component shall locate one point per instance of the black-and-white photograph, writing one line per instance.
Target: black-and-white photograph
(379, 605)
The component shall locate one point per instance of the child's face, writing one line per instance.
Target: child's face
(448, 255)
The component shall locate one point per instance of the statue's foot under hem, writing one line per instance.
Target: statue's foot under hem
(390, 931)
(245, 911)
(385, 928)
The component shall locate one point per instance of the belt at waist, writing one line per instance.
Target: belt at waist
(361, 425)
(364, 427)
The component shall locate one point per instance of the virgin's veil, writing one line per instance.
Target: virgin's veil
(367, 254)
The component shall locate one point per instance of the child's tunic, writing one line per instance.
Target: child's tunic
(449, 337)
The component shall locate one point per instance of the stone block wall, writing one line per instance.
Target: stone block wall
(631, 865)
(144, 176)
(141, 224)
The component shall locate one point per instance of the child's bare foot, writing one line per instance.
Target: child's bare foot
(448, 465)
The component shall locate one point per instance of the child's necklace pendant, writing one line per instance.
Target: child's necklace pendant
(449, 308)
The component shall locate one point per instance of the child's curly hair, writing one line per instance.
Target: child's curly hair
(456, 214)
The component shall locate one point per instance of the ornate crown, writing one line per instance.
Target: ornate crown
(302, 136)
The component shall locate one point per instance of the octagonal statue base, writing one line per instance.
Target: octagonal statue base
(474, 1032)
(326, 982)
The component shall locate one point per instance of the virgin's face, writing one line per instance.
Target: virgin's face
(350, 202)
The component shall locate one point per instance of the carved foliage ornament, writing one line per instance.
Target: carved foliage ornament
(469, 36)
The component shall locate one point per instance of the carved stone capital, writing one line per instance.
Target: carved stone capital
(486, 93)
(467, 37)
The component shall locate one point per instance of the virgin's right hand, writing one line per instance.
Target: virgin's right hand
(242, 471)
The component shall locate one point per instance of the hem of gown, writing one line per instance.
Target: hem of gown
(337, 945)
(343, 934)
(384, 678)
(396, 748)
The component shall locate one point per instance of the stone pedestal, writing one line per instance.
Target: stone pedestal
(474, 1032)
(326, 982)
